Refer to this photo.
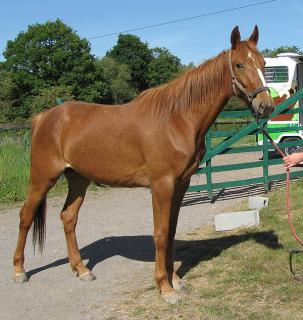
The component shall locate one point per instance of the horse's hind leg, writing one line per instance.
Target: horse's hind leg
(77, 186)
(33, 208)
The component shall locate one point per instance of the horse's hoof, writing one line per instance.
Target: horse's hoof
(179, 285)
(20, 277)
(171, 297)
(87, 276)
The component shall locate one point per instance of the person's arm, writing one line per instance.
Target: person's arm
(292, 159)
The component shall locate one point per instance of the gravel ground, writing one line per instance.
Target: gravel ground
(114, 233)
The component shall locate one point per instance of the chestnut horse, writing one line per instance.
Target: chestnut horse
(156, 141)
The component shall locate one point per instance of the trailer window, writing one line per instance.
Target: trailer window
(276, 74)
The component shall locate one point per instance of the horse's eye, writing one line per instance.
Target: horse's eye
(239, 66)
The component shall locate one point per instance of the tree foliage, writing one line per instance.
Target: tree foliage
(130, 50)
(163, 67)
(118, 78)
(271, 53)
(10, 106)
(52, 54)
(48, 98)
(8, 89)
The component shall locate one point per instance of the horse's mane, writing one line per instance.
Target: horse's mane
(196, 87)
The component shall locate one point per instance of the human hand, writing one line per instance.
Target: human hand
(292, 159)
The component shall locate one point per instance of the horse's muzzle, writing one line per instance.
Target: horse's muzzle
(262, 105)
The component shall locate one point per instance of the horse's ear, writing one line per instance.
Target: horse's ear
(235, 37)
(254, 36)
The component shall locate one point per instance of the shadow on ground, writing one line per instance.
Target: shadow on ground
(141, 248)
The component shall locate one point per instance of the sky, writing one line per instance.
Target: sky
(279, 22)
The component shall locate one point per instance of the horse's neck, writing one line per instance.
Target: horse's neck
(208, 117)
(205, 115)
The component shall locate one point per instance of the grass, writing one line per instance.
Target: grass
(14, 164)
(14, 169)
(242, 274)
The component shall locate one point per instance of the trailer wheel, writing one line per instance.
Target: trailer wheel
(290, 150)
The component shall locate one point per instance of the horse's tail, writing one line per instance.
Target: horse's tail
(39, 225)
(39, 219)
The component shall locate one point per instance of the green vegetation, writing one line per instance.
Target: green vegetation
(130, 50)
(163, 67)
(14, 164)
(51, 55)
(271, 53)
(118, 76)
(242, 274)
(14, 167)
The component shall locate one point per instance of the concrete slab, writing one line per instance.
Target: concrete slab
(257, 202)
(233, 220)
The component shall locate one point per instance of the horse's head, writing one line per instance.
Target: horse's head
(246, 65)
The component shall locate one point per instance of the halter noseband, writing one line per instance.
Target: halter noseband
(250, 96)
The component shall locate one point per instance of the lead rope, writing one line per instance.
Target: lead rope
(288, 202)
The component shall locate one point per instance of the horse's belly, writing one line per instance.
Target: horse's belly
(113, 174)
(138, 179)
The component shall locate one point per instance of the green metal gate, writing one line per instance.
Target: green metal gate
(231, 137)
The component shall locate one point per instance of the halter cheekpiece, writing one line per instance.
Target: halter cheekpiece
(250, 96)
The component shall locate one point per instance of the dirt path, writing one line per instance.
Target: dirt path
(114, 232)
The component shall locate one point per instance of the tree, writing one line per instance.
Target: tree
(130, 50)
(118, 77)
(185, 67)
(271, 53)
(7, 87)
(52, 54)
(10, 106)
(48, 98)
(163, 67)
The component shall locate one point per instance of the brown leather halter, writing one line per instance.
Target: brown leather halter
(250, 96)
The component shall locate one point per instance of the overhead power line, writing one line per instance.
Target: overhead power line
(183, 19)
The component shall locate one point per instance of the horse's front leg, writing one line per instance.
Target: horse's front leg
(178, 196)
(162, 195)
